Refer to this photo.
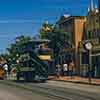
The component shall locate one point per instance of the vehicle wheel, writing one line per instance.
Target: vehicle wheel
(1, 78)
(43, 81)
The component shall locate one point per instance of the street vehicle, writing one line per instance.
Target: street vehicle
(29, 65)
(31, 68)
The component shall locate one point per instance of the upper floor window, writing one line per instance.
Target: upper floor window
(89, 35)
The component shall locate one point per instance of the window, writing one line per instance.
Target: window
(89, 34)
(97, 20)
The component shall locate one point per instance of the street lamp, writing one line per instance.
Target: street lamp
(88, 47)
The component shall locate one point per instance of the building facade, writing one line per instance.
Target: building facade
(92, 23)
(83, 29)
(75, 26)
(92, 35)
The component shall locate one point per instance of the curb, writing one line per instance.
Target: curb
(78, 82)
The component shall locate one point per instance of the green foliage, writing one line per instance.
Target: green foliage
(16, 48)
(24, 57)
(59, 39)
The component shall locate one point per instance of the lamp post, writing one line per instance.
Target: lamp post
(88, 47)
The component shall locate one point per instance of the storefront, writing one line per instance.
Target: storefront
(91, 59)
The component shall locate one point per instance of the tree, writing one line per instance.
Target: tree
(58, 41)
(16, 48)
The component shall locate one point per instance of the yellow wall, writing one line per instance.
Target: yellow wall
(79, 30)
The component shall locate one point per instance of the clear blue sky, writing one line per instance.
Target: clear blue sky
(26, 16)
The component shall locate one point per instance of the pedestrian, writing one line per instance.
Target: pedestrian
(58, 70)
(65, 69)
(71, 67)
(5, 66)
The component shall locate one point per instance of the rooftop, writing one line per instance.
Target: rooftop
(64, 19)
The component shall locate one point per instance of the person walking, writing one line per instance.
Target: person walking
(58, 70)
(65, 69)
(71, 67)
(5, 66)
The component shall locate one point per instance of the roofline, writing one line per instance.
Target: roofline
(38, 41)
(69, 18)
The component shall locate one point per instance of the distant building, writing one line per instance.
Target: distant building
(45, 29)
(92, 35)
(92, 23)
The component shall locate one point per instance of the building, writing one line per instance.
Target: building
(45, 29)
(92, 23)
(83, 29)
(92, 35)
(75, 26)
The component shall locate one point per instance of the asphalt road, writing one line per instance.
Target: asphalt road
(70, 91)
(52, 90)
(13, 93)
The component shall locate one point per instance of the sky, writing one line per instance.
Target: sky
(25, 17)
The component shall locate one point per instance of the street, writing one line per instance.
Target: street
(71, 91)
(13, 93)
(51, 90)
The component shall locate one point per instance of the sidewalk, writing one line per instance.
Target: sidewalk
(76, 79)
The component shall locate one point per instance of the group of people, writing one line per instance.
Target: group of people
(65, 69)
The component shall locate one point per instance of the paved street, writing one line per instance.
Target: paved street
(13, 93)
(51, 90)
(72, 91)
(82, 87)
